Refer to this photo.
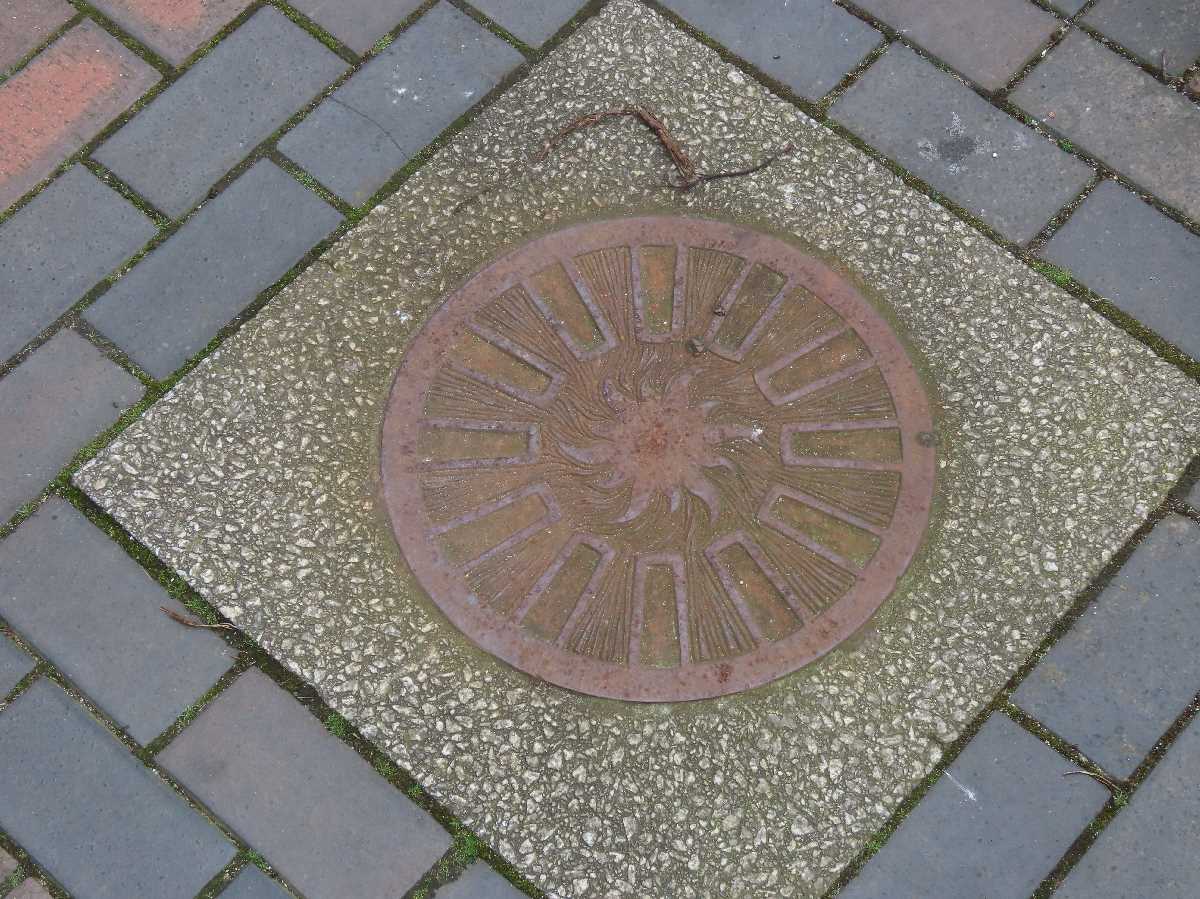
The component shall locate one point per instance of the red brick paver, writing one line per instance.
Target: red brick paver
(26, 23)
(59, 102)
(172, 28)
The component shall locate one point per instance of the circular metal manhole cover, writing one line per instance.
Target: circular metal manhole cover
(658, 459)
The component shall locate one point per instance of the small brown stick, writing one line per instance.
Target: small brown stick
(188, 622)
(688, 176)
(1107, 781)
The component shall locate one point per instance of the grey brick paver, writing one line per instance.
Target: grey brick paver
(1149, 849)
(533, 21)
(1123, 672)
(200, 127)
(172, 28)
(358, 23)
(1147, 264)
(986, 40)
(371, 126)
(942, 131)
(64, 394)
(252, 883)
(173, 302)
(94, 612)
(327, 821)
(1150, 28)
(55, 249)
(15, 663)
(992, 826)
(1116, 112)
(807, 45)
(479, 882)
(81, 804)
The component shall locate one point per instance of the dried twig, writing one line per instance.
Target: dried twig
(1102, 778)
(188, 622)
(688, 178)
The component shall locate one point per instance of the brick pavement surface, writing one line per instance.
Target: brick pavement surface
(252, 883)
(213, 267)
(1113, 685)
(54, 250)
(61, 396)
(26, 23)
(61, 100)
(1132, 254)
(90, 812)
(996, 821)
(358, 23)
(1163, 33)
(532, 21)
(75, 594)
(100, 820)
(15, 663)
(261, 762)
(371, 126)
(936, 127)
(172, 28)
(806, 45)
(235, 97)
(1150, 849)
(986, 40)
(1119, 114)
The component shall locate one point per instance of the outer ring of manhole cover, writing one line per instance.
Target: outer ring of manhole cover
(658, 458)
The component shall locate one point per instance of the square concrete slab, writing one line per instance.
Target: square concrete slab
(259, 479)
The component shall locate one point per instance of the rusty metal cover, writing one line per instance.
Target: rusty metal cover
(658, 459)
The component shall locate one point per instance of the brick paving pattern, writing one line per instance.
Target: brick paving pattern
(61, 100)
(53, 251)
(83, 802)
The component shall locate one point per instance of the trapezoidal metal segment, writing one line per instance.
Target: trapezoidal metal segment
(658, 459)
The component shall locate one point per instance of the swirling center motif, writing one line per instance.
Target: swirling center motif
(658, 459)
(658, 446)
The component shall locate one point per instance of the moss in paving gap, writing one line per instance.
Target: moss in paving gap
(28, 867)
(496, 29)
(337, 725)
(1037, 244)
(331, 42)
(222, 878)
(126, 39)
(160, 218)
(1059, 276)
(839, 89)
(39, 47)
(188, 715)
(288, 165)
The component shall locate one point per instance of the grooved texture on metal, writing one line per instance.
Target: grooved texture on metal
(658, 459)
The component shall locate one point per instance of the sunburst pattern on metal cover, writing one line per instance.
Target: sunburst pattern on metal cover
(658, 458)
